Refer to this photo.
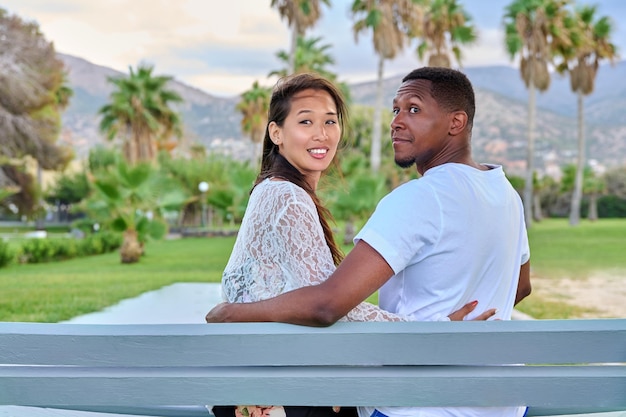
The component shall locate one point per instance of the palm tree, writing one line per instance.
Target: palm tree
(392, 23)
(131, 200)
(446, 26)
(309, 57)
(531, 27)
(591, 44)
(140, 112)
(358, 197)
(594, 186)
(230, 195)
(300, 15)
(253, 106)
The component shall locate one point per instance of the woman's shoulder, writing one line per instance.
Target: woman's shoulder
(283, 189)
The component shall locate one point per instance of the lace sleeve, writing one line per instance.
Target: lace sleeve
(280, 245)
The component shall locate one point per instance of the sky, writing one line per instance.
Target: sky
(222, 47)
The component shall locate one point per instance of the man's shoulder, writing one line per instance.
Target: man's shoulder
(416, 190)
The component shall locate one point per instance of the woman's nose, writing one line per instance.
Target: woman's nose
(320, 134)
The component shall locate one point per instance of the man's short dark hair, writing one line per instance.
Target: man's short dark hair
(450, 88)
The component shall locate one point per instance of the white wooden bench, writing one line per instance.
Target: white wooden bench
(571, 366)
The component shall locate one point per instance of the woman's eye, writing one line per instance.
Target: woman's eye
(331, 122)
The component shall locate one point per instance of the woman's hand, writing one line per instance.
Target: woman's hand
(460, 314)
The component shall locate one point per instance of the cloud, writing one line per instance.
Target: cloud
(223, 48)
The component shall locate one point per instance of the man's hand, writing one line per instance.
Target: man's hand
(460, 314)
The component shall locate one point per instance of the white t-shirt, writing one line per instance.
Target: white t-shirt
(455, 235)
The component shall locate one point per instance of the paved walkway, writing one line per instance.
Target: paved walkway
(176, 303)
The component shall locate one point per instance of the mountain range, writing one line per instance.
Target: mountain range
(500, 125)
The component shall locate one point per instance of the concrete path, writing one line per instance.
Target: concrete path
(176, 303)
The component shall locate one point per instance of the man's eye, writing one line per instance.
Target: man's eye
(414, 110)
(395, 111)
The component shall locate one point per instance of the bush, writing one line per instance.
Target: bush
(91, 245)
(6, 254)
(64, 249)
(110, 241)
(47, 250)
(611, 206)
(35, 251)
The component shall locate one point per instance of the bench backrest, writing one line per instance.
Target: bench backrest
(572, 366)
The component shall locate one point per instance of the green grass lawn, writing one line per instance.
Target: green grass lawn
(558, 249)
(561, 251)
(58, 291)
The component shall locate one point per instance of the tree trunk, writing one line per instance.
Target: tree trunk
(131, 250)
(40, 213)
(293, 47)
(376, 129)
(537, 214)
(349, 234)
(574, 214)
(593, 207)
(530, 156)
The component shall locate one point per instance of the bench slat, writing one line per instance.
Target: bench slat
(234, 344)
(537, 386)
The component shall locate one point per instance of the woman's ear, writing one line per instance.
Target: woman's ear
(275, 133)
(458, 122)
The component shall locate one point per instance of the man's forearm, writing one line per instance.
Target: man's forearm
(295, 307)
(360, 274)
(523, 285)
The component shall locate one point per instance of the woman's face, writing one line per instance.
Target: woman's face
(310, 134)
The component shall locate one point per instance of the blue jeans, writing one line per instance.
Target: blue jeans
(377, 413)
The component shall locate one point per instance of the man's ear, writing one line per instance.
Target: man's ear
(458, 122)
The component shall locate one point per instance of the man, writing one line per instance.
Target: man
(455, 234)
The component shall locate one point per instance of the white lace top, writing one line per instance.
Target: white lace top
(280, 247)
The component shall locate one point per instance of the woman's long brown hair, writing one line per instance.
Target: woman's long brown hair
(275, 165)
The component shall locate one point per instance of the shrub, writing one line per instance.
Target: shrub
(47, 250)
(6, 254)
(611, 206)
(110, 241)
(35, 251)
(64, 249)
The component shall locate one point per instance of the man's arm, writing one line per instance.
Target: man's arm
(523, 285)
(359, 275)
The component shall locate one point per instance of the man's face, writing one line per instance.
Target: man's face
(419, 129)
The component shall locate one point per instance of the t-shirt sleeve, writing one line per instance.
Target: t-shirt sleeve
(405, 225)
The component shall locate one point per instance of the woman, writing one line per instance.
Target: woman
(285, 240)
